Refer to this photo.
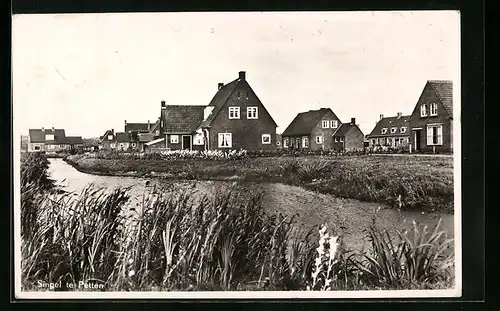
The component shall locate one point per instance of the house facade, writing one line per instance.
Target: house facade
(311, 130)
(235, 118)
(348, 137)
(52, 140)
(431, 121)
(390, 132)
(180, 127)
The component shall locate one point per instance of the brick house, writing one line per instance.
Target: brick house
(235, 118)
(431, 122)
(348, 137)
(52, 140)
(181, 126)
(311, 130)
(390, 132)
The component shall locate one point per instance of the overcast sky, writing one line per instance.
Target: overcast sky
(90, 72)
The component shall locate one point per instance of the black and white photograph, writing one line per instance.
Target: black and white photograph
(237, 155)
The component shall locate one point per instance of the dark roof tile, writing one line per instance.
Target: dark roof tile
(304, 122)
(38, 135)
(444, 91)
(182, 119)
(388, 123)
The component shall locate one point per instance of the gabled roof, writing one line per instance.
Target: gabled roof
(137, 127)
(305, 122)
(38, 135)
(74, 140)
(390, 122)
(344, 128)
(219, 99)
(444, 91)
(182, 118)
(154, 127)
(108, 132)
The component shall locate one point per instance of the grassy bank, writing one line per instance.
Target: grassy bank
(409, 182)
(221, 241)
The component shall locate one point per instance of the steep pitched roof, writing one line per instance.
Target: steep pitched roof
(444, 91)
(138, 127)
(108, 132)
(343, 129)
(304, 122)
(390, 122)
(182, 118)
(38, 135)
(219, 100)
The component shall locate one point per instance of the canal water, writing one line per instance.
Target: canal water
(347, 217)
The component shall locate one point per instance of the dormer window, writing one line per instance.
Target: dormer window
(403, 129)
(325, 124)
(423, 110)
(384, 130)
(333, 124)
(234, 112)
(434, 109)
(49, 137)
(110, 137)
(393, 130)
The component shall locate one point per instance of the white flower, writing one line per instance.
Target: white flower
(131, 273)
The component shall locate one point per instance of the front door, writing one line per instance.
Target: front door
(186, 142)
(418, 136)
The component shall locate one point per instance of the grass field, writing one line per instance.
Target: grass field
(408, 182)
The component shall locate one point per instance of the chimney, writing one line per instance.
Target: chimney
(242, 75)
(399, 114)
(163, 105)
(219, 86)
(53, 129)
(381, 116)
(43, 129)
(353, 121)
(125, 122)
(149, 126)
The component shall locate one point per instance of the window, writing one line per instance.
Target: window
(234, 112)
(408, 140)
(403, 129)
(266, 139)
(423, 110)
(252, 113)
(325, 124)
(373, 141)
(225, 140)
(297, 143)
(37, 147)
(384, 130)
(133, 144)
(49, 137)
(319, 139)
(278, 143)
(341, 139)
(336, 139)
(174, 139)
(50, 147)
(393, 130)
(305, 142)
(110, 137)
(434, 109)
(198, 139)
(434, 135)
(61, 146)
(285, 143)
(333, 124)
(112, 145)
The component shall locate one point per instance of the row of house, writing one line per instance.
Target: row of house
(429, 128)
(235, 118)
(52, 140)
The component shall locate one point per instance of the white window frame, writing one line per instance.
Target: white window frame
(334, 124)
(49, 137)
(384, 130)
(133, 144)
(319, 139)
(227, 138)
(336, 139)
(264, 136)
(278, 143)
(403, 129)
(341, 139)
(439, 134)
(50, 147)
(325, 124)
(252, 112)
(433, 109)
(394, 130)
(110, 137)
(305, 142)
(174, 139)
(112, 145)
(234, 112)
(285, 143)
(198, 140)
(423, 110)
